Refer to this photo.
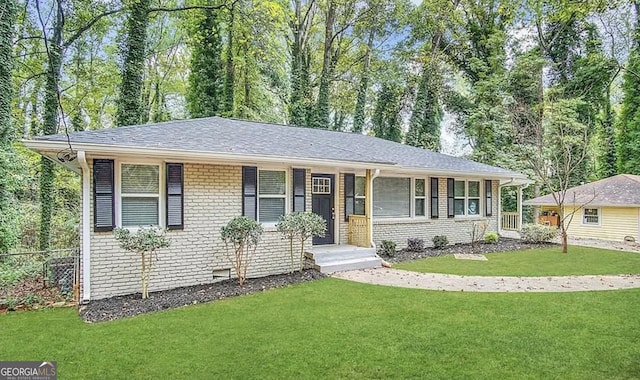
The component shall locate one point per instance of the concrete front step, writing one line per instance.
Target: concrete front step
(335, 258)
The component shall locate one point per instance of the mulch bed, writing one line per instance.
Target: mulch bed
(503, 245)
(130, 305)
(30, 288)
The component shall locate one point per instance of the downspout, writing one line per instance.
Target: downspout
(375, 175)
(86, 228)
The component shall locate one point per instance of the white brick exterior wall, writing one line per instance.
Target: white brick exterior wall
(212, 196)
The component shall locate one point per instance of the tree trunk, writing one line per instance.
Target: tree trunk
(302, 255)
(50, 127)
(229, 78)
(361, 100)
(143, 277)
(130, 108)
(321, 118)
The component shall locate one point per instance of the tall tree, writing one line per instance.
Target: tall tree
(300, 24)
(206, 77)
(8, 235)
(424, 125)
(130, 108)
(386, 115)
(629, 124)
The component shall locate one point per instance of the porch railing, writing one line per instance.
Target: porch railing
(511, 221)
(359, 231)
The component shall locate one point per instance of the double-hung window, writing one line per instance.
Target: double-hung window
(271, 195)
(360, 188)
(140, 195)
(392, 197)
(420, 197)
(466, 198)
(591, 216)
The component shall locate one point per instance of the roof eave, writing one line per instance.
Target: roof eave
(48, 147)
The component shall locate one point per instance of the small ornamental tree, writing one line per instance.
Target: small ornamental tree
(241, 234)
(301, 226)
(145, 242)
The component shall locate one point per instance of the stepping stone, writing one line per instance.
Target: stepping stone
(470, 256)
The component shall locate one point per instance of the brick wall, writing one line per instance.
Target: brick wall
(457, 230)
(212, 196)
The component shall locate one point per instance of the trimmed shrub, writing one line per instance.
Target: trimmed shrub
(415, 245)
(301, 226)
(388, 248)
(440, 241)
(241, 237)
(491, 237)
(537, 233)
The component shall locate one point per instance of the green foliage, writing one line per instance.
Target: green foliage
(415, 245)
(130, 108)
(206, 76)
(386, 116)
(537, 233)
(46, 202)
(241, 235)
(628, 148)
(440, 241)
(388, 248)
(424, 125)
(145, 242)
(491, 237)
(301, 226)
(13, 269)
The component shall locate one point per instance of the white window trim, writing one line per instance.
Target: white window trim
(412, 206)
(361, 197)
(286, 196)
(467, 197)
(424, 197)
(118, 190)
(584, 223)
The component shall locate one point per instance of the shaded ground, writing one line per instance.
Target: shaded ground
(503, 245)
(29, 292)
(130, 305)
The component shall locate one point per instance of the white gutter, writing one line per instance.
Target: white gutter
(199, 156)
(86, 227)
(375, 175)
(53, 147)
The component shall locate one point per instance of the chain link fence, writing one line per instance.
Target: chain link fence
(39, 278)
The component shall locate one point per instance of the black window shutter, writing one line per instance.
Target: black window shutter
(434, 198)
(450, 187)
(299, 189)
(103, 195)
(349, 195)
(250, 192)
(175, 196)
(488, 194)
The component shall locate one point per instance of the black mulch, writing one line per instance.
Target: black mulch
(130, 305)
(503, 245)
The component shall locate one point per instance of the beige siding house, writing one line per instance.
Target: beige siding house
(193, 176)
(608, 209)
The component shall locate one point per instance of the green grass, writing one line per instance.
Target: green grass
(535, 262)
(337, 329)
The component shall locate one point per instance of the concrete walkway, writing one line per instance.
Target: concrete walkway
(450, 282)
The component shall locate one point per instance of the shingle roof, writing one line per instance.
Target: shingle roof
(231, 136)
(619, 190)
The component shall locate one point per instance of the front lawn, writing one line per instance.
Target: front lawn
(535, 262)
(337, 329)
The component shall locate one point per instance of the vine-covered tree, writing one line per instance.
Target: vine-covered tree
(205, 94)
(8, 230)
(629, 125)
(386, 116)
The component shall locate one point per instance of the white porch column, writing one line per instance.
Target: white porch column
(86, 227)
(519, 207)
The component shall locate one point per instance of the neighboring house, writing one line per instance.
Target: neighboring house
(608, 209)
(193, 176)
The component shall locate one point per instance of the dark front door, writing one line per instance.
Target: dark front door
(322, 186)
